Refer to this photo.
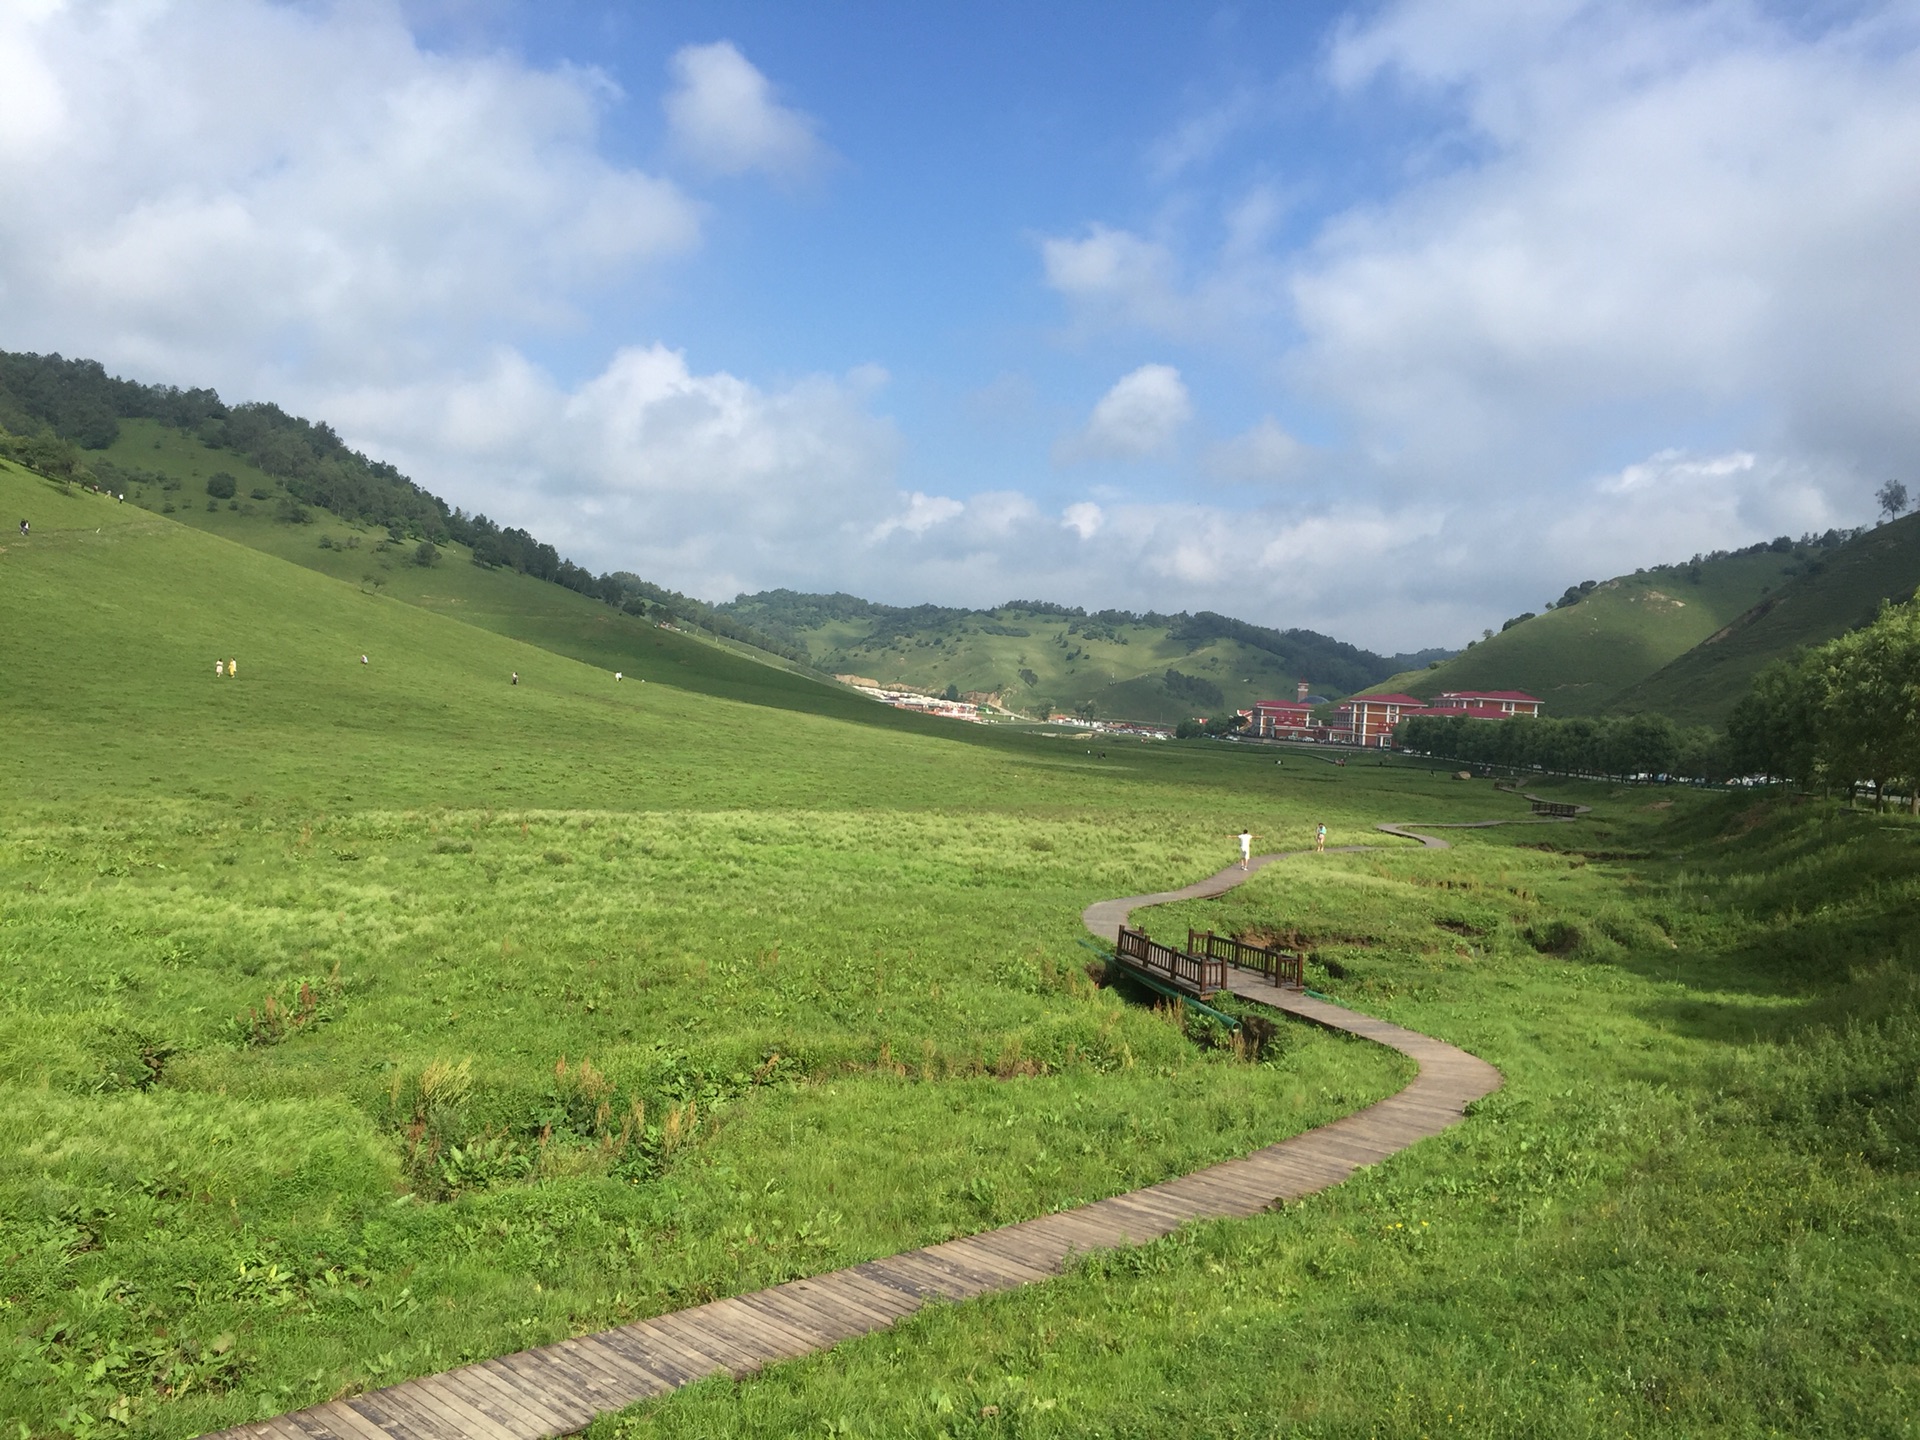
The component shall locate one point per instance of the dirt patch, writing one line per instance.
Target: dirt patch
(1460, 927)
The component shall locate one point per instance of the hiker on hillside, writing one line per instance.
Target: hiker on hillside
(516, 677)
(233, 669)
(23, 529)
(219, 669)
(1245, 838)
(363, 659)
(1320, 838)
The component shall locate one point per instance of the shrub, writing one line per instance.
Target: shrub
(220, 485)
(426, 553)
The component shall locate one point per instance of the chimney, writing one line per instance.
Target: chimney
(1300, 691)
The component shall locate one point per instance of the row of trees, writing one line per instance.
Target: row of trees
(1844, 712)
(1609, 746)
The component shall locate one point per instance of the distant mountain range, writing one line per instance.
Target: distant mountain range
(1034, 656)
(1683, 639)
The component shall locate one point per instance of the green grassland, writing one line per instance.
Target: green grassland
(362, 1019)
(1832, 595)
(1690, 1211)
(501, 600)
(1580, 658)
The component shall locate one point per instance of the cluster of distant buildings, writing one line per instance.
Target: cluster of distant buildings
(914, 700)
(1369, 720)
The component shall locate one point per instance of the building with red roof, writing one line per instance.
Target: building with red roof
(1486, 704)
(1369, 719)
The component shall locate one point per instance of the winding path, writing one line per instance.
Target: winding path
(556, 1389)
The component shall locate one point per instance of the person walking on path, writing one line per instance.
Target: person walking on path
(1245, 838)
(219, 669)
(1320, 839)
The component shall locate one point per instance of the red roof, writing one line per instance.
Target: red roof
(1387, 700)
(1518, 695)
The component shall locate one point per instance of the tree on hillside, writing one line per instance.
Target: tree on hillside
(1846, 712)
(1892, 498)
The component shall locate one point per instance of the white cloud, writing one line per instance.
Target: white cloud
(724, 116)
(1266, 453)
(706, 482)
(921, 514)
(193, 187)
(1675, 214)
(1083, 518)
(1137, 419)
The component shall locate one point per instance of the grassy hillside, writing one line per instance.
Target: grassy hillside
(1834, 593)
(1031, 657)
(356, 1021)
(262, 515)
(1581, 657)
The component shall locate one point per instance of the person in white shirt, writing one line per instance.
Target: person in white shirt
(1246, 849)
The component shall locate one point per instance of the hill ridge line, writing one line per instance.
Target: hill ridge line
(556, 1389)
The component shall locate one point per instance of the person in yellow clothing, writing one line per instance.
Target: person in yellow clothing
(233, 669)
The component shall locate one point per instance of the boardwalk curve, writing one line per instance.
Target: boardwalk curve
(556, 1389)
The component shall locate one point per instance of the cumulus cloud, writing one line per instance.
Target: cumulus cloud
(1140, 417)
(705, 481)
(1674, 211)
(191, 183)
(725, 116)
(1084, 518)
(1265, 453)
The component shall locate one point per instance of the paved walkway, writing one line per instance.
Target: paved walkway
(558, 1388)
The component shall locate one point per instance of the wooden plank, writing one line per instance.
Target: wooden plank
(510, 1419)
(551, 1367)
(340, 1417)
(959, 1282)
(780, 1341)
(643, 1380)
(1028, 1249)
(895, 1275)
(554, 1392)
(861, 1294)
(701, 1328)
(698, 1363)
(617, 1370)
(828, 1327)
(392, 1409)
(996, 1262)
(649, 1356)
(477, 1380)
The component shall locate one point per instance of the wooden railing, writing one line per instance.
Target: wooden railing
(1199, 974)
(1280, 967)
(1555, 808)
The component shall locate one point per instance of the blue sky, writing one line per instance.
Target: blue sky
(1389, 320)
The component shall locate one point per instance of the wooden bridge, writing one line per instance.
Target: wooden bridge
(557, 1389)
(1200, 970)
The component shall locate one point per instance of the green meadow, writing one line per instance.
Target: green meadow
(364, 1019)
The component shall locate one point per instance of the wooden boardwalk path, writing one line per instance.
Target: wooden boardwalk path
(555, 1389)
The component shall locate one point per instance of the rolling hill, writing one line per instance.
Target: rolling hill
(287, 486)
(1033, 656)
(1834, 592)
(1584, 654)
